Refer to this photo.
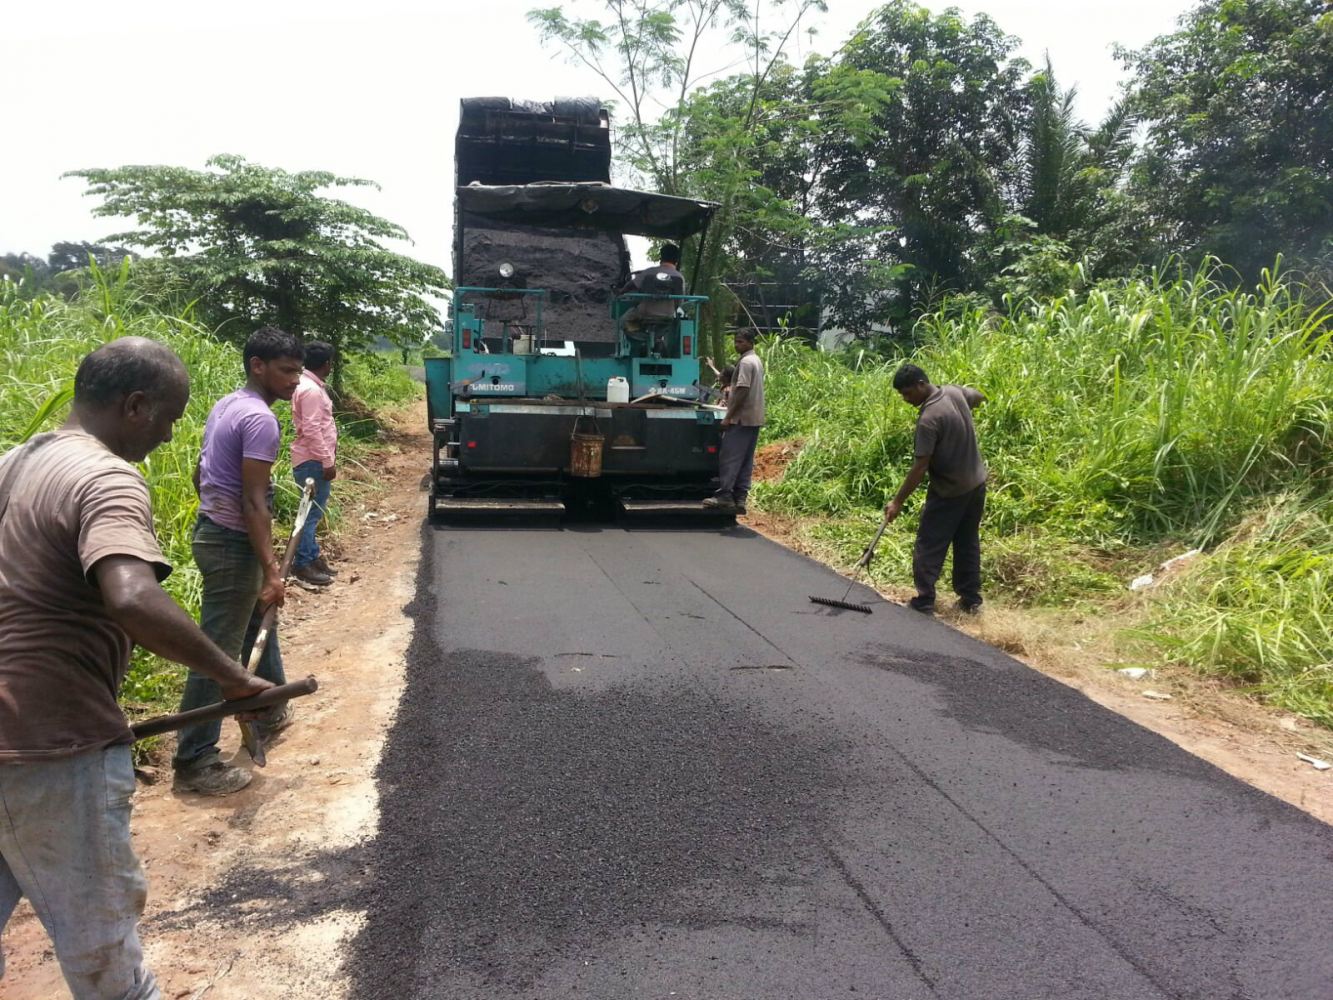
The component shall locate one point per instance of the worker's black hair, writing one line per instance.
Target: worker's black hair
(726, 375)
(908, 375)
(669, 254)
(747, 333)
(115, 370)
(318, 354)
(268, 343)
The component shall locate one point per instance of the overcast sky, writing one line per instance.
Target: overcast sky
(369, 89)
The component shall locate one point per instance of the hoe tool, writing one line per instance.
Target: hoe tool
(267, 699)
(249, 730)
(861, 564)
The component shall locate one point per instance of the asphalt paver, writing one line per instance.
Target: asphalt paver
(638, 763)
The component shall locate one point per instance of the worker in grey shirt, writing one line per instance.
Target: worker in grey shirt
(740, 426)
(946, 448)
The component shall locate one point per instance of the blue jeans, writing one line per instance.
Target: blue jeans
(65, 845)
(232, 580)
(307, 547)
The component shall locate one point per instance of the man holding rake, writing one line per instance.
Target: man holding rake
(946, 449)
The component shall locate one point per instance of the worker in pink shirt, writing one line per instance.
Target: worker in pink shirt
(314, 456)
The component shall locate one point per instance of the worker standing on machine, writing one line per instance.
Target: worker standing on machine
(79, 584)
(740, 426)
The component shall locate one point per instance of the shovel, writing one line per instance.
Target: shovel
(250, 734)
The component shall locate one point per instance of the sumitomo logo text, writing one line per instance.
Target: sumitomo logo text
(495, 387)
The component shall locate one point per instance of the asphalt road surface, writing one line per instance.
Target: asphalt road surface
(642, 764)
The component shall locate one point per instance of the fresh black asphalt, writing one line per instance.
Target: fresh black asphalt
(638, 763)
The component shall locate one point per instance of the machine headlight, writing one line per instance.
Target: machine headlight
(506, 270)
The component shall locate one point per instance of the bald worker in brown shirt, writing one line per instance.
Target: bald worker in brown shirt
(80, 574)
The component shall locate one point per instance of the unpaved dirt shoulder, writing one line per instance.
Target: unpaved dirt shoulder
(1249, 741)
(317, 793)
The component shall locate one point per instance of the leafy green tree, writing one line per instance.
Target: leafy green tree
(1238, 106)
(926, 155)
(1071, 217)
(256, 245)
(74, 256)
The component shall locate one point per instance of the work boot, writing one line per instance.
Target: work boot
(216, 778)
(311, 576)
(925, 607)
(970, 607)
(721, 504)
(323, 566)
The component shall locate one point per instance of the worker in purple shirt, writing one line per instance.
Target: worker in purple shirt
(233, 548)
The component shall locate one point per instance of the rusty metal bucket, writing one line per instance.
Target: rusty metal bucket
(585, 451)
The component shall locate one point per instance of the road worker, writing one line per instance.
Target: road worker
(80, 583)
(946, 449)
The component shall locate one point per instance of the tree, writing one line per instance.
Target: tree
(66, 256)
(1070, 210)
(1238, 156)
(257, 245)
(925, 160)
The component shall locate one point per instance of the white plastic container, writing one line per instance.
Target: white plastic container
(617, 390)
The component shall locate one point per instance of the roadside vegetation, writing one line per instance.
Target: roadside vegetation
(1126, 424)
(42, 340)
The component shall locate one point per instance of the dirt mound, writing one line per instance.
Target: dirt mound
(771, 460)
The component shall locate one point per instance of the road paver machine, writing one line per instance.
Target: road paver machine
(559, 392)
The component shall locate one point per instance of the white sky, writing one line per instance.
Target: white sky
(363, 88)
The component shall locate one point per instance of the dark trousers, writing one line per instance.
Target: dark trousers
(949, 521)
(735, 463)
(232, 578)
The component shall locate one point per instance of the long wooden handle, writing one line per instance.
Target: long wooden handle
(266, 699)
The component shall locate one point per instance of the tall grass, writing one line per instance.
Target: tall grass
(42, 340)
(1143, 414)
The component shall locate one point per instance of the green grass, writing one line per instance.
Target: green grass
(42, 341)
(1138, 419)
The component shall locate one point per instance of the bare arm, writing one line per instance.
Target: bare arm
(139, 605)
(259, 526)
(195, 479)
(914, 476)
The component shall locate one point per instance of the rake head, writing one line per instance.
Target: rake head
(844, 605)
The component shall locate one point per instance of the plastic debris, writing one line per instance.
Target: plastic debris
(1315, 762)
(1172, 565)
(1134, 673)
(1156, 696)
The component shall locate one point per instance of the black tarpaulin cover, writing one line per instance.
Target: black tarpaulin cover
(588, 206)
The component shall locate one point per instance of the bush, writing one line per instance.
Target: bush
(42, 341)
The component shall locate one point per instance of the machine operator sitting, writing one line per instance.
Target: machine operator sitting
(665, 280)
